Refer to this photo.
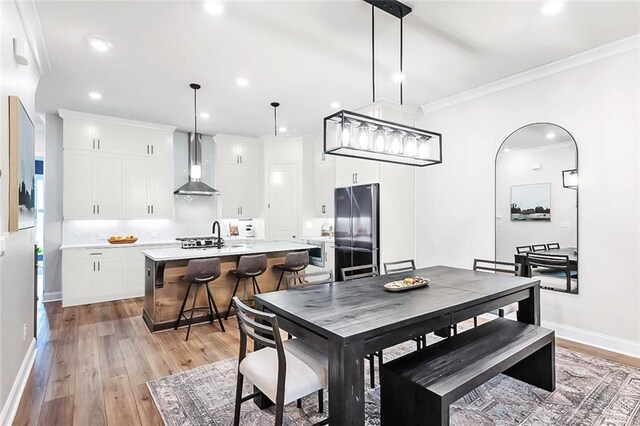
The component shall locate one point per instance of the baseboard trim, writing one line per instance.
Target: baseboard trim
(52, 296)
(101, 298)
(13, 400)
(588, 338)
(596, 340)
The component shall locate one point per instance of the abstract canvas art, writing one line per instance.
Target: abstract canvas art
(531, 202)
(22, 167)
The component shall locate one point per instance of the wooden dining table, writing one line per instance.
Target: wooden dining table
(353, 318)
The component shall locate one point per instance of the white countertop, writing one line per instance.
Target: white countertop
(105, 244)
(232, 249)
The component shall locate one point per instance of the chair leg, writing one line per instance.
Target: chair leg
(236, 414)
(455, 329)
(475, 321)
(380, 359)
(321, 401)
(184, 302)
(226, 316)
(279, 412)
(212, 303)
(255, 282)
(372, 371)
(299, 403)
(280, 280)
(193, 305)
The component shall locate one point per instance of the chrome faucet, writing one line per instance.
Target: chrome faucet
(213, 231)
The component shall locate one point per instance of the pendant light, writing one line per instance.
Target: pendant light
(351, 134)
(275, 106)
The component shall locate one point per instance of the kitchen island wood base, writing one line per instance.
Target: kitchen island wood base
(166, 285)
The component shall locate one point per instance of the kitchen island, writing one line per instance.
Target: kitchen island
(165, 283)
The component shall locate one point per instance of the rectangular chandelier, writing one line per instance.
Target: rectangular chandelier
(349, 134)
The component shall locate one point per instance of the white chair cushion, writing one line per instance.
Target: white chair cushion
(307, 370)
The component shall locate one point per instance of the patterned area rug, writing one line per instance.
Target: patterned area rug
(589, 391)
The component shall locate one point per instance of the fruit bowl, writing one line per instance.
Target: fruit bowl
(118, 239)
(407, 283)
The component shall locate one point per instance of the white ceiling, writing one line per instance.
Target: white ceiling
(304, 54)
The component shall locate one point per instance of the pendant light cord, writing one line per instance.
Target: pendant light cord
(373, 53)
(195, 112)
(275, 122)
(401, 44)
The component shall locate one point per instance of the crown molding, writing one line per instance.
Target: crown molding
(65, 113)
(575, 61)
(28, 12)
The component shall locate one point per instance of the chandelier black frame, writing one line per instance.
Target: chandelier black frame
(350, 134)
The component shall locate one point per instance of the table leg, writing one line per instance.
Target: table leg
(262, 401)
(346, 383)
(529, 308)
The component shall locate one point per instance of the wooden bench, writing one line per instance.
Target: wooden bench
(418, 388)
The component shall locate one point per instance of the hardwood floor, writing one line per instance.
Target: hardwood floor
(93, 362)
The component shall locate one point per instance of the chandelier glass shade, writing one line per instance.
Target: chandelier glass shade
(350, 134)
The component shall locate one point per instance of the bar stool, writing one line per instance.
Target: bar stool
(200, 272)
(249, 267)
(295, 262)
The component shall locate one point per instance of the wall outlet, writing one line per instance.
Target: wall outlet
(24, 332)
(309, 225)
(154, 235)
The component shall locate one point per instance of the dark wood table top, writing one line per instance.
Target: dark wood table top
(565, 251)
(362, 309)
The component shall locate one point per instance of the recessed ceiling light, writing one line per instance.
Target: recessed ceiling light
(550, 135)
(398, 77)
(213, 8)
(99, 44)
(96, 96)
(204, 115)
(242, 82)
(282, 129)
(335, 105)
(552, 7)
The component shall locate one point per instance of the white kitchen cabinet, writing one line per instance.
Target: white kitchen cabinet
(94, 135)
(325, 177)
(116, 168)
(353, 171)
(237, 176)
(238, 188)
(91, 276)
(93, 186)
(149, 191)
(149, 142)
(236, 150)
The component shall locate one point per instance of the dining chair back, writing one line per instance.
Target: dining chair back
(311, 278)
(539, 247)
(266, 368)
(553, 246)
(551, 268)
(399, 266)
(497, 266)
(523, 249)
(356, 272)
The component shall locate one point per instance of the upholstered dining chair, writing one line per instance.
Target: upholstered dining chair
(305, 279)
(553, 246)
(399, 266)
(539, 247)
(283, 371)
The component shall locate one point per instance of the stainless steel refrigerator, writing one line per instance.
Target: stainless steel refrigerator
(356, 226)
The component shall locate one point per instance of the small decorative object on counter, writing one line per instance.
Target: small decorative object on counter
(119, 239)
(233, 230)
(407, 284)
(327, 230)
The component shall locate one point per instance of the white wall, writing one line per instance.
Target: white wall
(16, 267)
(598, 103)
(515, 168)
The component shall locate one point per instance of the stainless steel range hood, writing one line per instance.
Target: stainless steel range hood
(195, 186)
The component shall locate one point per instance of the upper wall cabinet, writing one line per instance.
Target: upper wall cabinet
(116, 168)
(237, 176)
(236, 150)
